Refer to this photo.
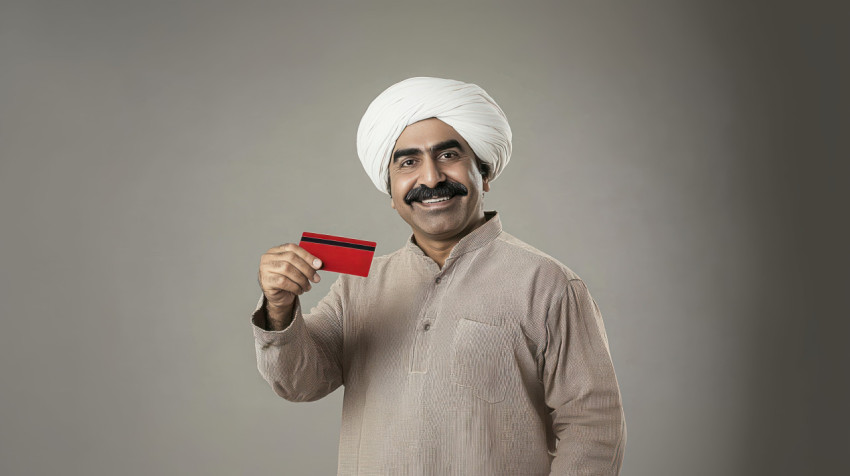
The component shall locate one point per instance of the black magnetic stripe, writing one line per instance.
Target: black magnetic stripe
(337, 243)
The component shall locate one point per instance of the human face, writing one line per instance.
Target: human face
(428, 153)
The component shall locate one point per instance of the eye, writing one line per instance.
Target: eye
(406, 163)
(449, 154)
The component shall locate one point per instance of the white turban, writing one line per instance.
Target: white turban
(466, 107)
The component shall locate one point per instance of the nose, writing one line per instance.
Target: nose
(430, 173)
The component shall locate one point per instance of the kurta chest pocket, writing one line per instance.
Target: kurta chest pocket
(481, 358)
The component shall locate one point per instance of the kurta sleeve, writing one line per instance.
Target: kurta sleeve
(581, 389)
(302, 362)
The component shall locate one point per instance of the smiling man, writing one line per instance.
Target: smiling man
(432, 172)
(467, 351)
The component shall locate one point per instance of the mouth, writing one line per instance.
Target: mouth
(436, 202)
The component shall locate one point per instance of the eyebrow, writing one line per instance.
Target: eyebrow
(446, 144)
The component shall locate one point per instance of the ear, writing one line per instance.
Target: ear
(485, 184)
(392, 203)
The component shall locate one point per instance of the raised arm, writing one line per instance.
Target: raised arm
(298, 355)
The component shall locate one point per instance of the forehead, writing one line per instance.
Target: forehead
(425, 133)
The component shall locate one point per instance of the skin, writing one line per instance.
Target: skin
(437, 228)
(286, 271)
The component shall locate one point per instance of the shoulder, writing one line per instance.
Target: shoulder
(381, 263)
(520, 254)
(378, 270)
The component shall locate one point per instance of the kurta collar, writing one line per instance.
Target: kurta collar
(477, 238)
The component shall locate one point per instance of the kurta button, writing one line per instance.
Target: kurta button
(426, 326)
(438, 280)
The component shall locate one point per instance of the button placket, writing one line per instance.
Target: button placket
(421, 346)
(422, 340)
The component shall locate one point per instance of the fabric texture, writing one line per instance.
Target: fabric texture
(496, 364)
(464, 106)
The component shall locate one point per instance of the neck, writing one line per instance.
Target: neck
(439, 249)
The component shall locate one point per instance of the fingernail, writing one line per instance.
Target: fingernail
(317, 263)
(316, 278)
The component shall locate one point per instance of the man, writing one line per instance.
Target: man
(464, 352)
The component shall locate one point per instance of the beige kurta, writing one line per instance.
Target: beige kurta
(496, 364)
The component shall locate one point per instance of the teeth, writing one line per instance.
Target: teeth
(435, 200)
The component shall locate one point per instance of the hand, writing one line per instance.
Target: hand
(285, 272)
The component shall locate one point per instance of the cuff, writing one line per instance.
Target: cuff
(277, 338)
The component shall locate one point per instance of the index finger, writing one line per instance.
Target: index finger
(313, 261)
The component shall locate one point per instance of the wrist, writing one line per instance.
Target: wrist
(278, 317)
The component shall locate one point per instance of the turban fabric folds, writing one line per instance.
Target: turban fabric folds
(464, 106)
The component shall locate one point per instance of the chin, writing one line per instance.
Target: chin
(440, 226)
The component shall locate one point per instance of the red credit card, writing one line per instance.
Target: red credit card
(339, 254)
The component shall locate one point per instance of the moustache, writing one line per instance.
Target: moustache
(446, 188)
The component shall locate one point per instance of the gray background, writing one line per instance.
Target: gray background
(682, 157)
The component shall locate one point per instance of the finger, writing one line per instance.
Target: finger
(288, 260)
(279, 263)
(309, 258)
(289, 270)
(276, 281)
(296, 287)
(280, 279)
